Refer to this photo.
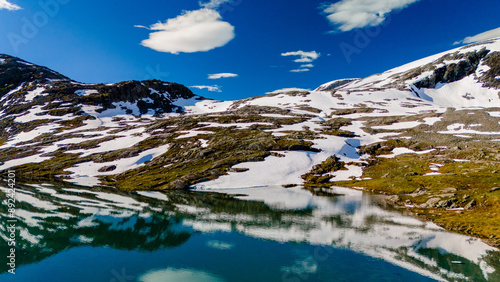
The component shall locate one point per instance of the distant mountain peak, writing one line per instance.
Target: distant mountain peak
(24, 85)
(15, 71)
(465, 76)
(131, 135)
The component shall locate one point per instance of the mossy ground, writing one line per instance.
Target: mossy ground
(464, 197)
(473, 181)
(187, 162)
(469, 176)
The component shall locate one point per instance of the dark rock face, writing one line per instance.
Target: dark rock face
(107, 168)
(470, 205)
(14, 71)
(447, 203)
(490, 77)
(336, 84)
(162, 94)
(147, 95)
(454, 72)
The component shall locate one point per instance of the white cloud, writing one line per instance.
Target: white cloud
(351, 14)
(305, 57)
(141, 26)
(221, 75)
(4, 4)
(193, 31)
(214, 4)
(494, 33)
(300, 70)
(214, 88)
(284, 90)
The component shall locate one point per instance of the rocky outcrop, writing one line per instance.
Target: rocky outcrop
(454, 72)
(14, 72)
(150, 94)
(18, 78)
(335, 84)
(492, 77)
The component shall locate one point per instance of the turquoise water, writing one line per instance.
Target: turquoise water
(264, 234)
(247, 259)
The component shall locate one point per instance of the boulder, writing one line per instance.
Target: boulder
(178, 185)
(446, 203)
(393, 199)
(432, 202)
(470, 205)
(449, 190)
(107, 168)
(238, 169)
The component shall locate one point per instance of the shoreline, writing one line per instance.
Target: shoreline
(449, 220)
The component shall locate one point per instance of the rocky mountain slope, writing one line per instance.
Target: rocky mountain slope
(428, 132)
(163, 136)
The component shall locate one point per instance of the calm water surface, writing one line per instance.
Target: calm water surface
(258, 234)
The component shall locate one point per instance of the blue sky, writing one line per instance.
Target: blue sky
(250, 47)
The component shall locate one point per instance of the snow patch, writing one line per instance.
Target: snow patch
(34, 93)
(399, 125)
(402, 150)
(86, 92)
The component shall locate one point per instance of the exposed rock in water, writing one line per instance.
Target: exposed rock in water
(179, 185)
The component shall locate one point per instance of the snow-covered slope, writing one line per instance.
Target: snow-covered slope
(93, 134)
(459, 78)
(24, 85)
(462, 77)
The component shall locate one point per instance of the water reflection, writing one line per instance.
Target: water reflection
(54, 220)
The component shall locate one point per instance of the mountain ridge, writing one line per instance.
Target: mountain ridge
(20, 77)
(38, 94)
(427, 133)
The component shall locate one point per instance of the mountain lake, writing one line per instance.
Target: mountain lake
(254, 234)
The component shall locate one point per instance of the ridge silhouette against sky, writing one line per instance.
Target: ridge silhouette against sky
(233, 49)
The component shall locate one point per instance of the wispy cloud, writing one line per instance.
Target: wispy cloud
(213, 88)
(194, 31)
(4, 4)
(213, 4)
(142, 26)
(221, 75)
(304, 57)
(494, 33)
(347, 15)
(300, 70)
